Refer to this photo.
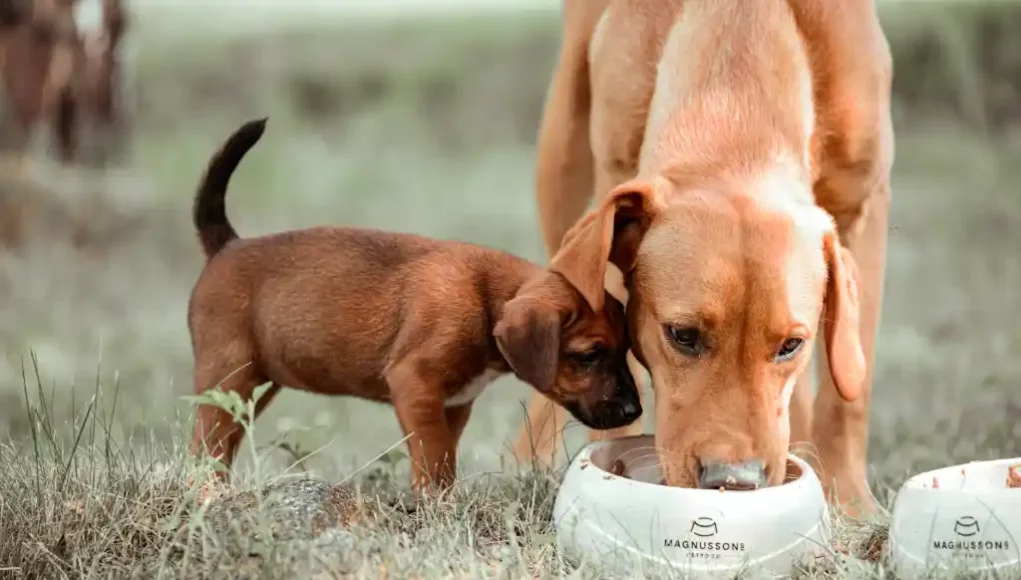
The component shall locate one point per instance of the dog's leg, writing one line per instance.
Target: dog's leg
(15, 132)
(65, 126)
(423, 417)
(626, 45)
(563, 186)
(840, 427)
(853, 71)
(216, 433)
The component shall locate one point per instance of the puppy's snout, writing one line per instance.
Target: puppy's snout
(614, 413)
(631, 410)
(620, 409)
(742, 476)
(627, 398)
(623, 409)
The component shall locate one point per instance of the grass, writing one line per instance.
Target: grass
(430, 128)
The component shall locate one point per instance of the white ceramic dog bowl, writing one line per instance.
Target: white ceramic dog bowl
(962, 517)
(619, 522)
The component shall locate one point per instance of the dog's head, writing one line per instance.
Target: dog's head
(726, 289)
(570, 352)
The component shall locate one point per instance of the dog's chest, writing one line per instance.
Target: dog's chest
(473, 389)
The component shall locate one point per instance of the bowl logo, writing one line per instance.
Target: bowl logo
(703, 527)
(704, 548)
(981, 546)
(966, 527)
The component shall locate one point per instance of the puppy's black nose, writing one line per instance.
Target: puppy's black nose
(620, 411)
(631, 410)
(613, 414)
(628, 397)
(744, 475)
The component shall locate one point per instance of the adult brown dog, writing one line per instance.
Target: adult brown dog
(38, 47)
(740, 153)
(59, 67)
(421, 323)
(92, 123)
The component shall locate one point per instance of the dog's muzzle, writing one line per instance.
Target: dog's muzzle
(746, 475)
(621, 410)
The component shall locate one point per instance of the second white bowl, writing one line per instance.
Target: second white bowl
(962, 517)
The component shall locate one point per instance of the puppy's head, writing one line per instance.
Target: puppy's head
(726, 289)
(571, 353)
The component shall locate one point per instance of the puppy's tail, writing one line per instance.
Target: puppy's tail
(210, 211)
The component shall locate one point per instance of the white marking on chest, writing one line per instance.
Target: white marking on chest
(473, 389)
(88, 16)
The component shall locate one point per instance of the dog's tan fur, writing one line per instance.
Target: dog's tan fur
(416, 322)
(740, 155)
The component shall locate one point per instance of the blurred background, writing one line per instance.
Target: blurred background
(421, 116)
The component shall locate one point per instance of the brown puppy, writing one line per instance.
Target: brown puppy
(740, 153)
(420, 323)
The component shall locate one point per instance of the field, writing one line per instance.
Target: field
(428, 126)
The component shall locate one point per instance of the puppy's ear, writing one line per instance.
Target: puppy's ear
(610, 233)
(843, 338)
(528, 336)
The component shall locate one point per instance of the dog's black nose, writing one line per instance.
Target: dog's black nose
(631, 410)
(609, 415)
(744, 475)
(617, 412)
(628, 397)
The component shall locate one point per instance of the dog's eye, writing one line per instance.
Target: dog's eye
(687, 340)
(588, 358)
(789, 348)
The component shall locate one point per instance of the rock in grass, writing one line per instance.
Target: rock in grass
(303, 509)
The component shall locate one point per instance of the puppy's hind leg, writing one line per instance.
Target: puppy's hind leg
(216, 432)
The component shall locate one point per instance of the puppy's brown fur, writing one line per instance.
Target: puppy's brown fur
(740, 155)
(420, 323)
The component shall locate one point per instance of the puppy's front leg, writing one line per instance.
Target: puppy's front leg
(432, 445)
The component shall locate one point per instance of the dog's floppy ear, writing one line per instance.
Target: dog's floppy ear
(528, 336)
(610, 233)
(843, 338)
